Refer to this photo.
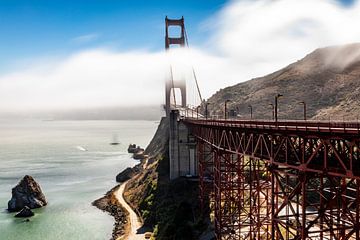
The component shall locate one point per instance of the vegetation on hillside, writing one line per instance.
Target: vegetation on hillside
(170, 208)
(326, 79)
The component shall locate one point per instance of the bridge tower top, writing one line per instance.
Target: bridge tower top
(172, 84)
(180, 40)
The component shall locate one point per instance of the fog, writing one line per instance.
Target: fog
(248, 39)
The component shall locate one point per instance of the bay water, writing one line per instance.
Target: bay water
(74, 164)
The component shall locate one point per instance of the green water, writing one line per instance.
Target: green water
(51, 151)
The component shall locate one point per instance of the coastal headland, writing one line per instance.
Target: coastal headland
(168, 209)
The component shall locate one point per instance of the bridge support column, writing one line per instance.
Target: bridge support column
(205, 158)
(242, 197)
(183, 161)
(238, 210)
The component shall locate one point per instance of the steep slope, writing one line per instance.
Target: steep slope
(326, 79)
(168, 208)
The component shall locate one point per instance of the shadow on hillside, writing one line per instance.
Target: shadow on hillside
(175, 210)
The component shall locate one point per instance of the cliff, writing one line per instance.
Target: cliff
(169, 208)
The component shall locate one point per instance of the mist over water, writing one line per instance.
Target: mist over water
(71, 178)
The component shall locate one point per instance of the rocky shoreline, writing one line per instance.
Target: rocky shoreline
(146, 167)
(110, 204)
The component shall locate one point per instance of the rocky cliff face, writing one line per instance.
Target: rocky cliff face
(328, 80)
(145, 174)
(160, 139)
(26, 193)
(169, 208)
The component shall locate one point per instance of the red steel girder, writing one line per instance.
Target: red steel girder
(283, 181)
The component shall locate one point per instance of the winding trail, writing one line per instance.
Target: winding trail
(135, 223)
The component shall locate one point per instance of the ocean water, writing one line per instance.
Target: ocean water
(71, 178)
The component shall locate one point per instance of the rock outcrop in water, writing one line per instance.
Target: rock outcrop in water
(138, 152)
(134, 149)
(127, 173)
(25, 212)
(26, 193)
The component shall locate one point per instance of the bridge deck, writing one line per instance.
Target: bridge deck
(297, 126)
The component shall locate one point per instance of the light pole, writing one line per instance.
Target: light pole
(276, 106)
(225, 109)
(206, 110)
(250, 107)
(273, 110)
(304, 103)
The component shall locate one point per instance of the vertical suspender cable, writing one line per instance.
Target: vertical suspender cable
(193, 70)
(173, 85)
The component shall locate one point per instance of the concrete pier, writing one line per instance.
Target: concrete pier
(182, 145)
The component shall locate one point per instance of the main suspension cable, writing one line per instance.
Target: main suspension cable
(193, 70)
(173, 85)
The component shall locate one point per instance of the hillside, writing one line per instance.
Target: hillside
(168, 208)
(326, 79)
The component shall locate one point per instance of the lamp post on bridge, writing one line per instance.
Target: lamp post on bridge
(273, 110)
(276, 106)
(250, 107)
(304, 103)
(225, 113)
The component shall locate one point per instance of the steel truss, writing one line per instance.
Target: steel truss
(281, 183)
(205, 156)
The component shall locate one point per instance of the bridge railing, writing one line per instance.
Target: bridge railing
(352, 127)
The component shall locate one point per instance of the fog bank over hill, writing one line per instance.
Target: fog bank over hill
(328, 80)
(241, 40)
(153, 112)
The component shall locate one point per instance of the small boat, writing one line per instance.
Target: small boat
(81, 148)
(115, 140)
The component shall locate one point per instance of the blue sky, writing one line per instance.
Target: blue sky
(66, 54)
(347, 2)
(40, 27)
(35, 28)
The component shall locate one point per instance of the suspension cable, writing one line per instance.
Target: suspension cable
(193, 70)
(173, 85)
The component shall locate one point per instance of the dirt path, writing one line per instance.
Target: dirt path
(135, 223)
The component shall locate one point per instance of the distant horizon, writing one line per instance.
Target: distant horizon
(145, 112)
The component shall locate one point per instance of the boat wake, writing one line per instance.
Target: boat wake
(81, 148)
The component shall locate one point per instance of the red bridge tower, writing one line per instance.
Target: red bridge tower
(172, 84)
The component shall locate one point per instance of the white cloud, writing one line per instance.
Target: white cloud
(91, 78)
(263, 36)
(250, 39)
(85, 38)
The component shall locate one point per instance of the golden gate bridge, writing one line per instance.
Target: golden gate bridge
(266, 179)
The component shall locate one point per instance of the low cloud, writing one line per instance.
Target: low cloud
(87, 79)
(265, 35)
(249, 39)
